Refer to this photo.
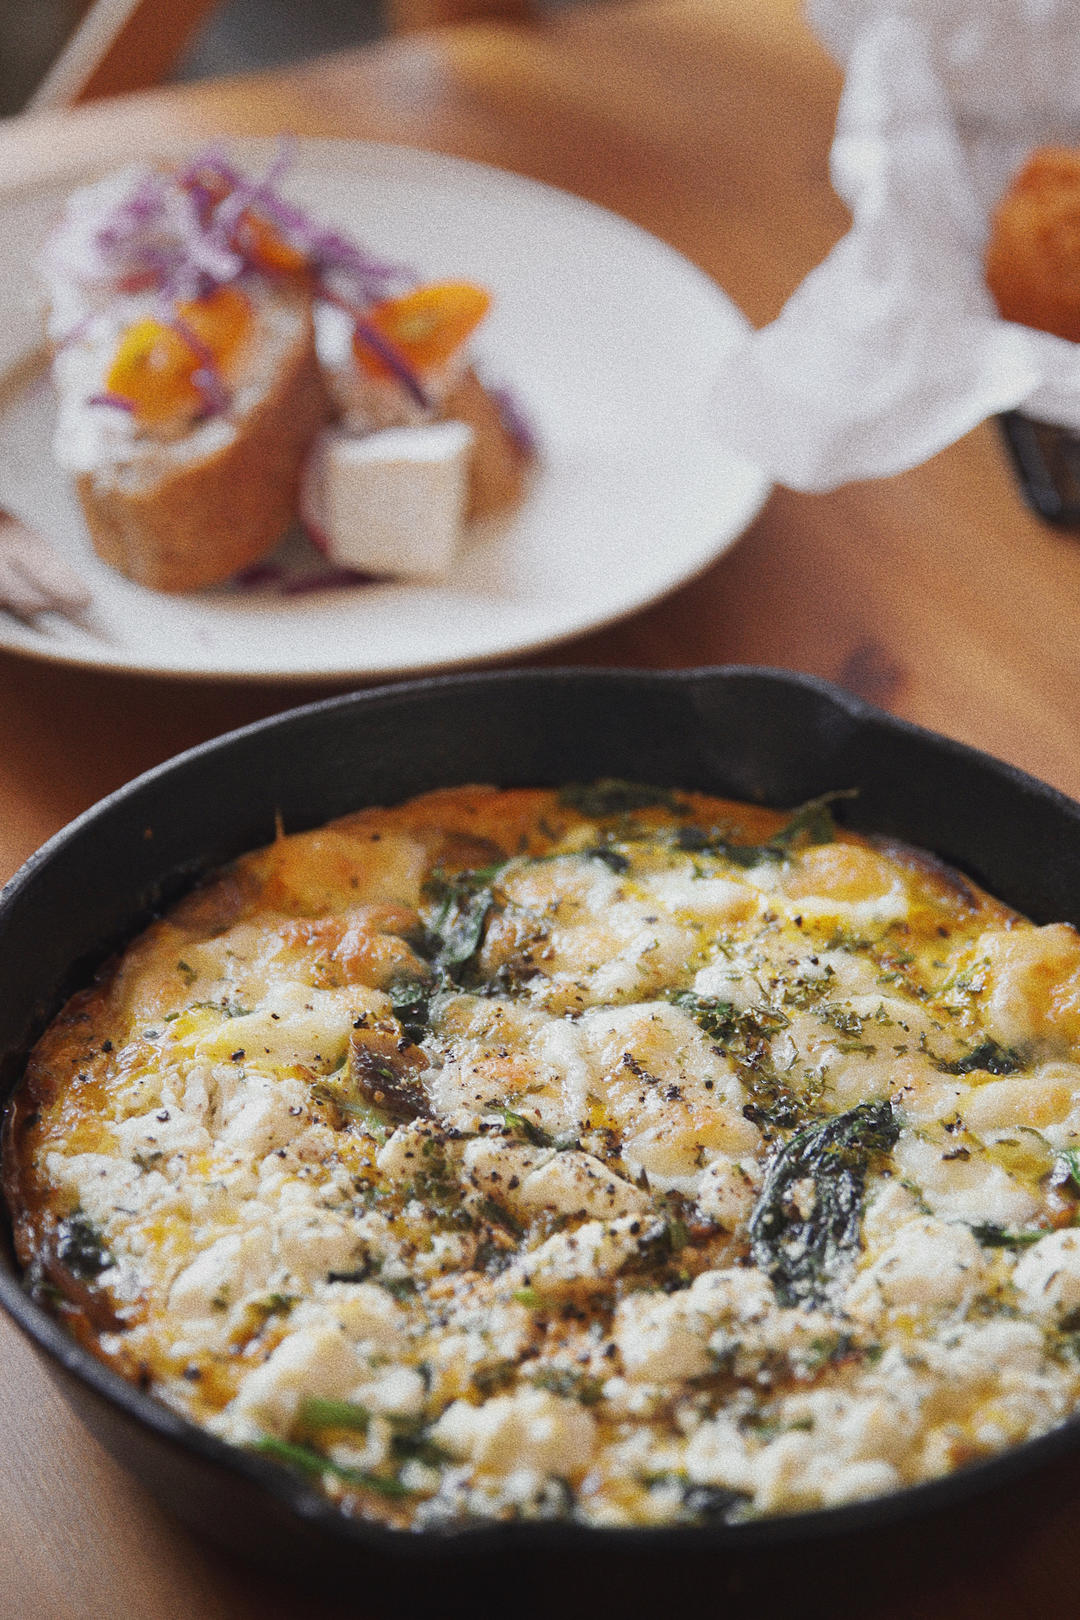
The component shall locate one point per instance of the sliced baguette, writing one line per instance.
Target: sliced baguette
(498, 462)
(183, 513)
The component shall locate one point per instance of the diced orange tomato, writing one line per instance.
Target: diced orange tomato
(154, 366)
(263, 245)
(426, 326)
(221, 320)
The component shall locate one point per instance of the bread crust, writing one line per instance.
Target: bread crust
(498, 463)
(202, 520)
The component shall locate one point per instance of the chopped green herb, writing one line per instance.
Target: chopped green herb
(745, 1037)
(317, 1413)
(312, 1462)
(528, 1129)
(720, 1021)
(842, 1018)
(992, 1236)
(231, 1009)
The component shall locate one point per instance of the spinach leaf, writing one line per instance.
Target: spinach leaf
(464, 900)
(988, 1057)
(612, 859)
(80, 1247)
(802, 1237)
(1067, 1168)
(612, 796)
(411, 1002)
(811, 823)
(460, 925)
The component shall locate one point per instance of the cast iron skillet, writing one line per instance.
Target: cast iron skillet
(760, 735)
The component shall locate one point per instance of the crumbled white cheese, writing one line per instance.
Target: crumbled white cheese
(1047, 1276)
(229, 1271)
(313, 1361)
(661, 1338)
(929, 1265)
(529, 1429)
(590, 1255)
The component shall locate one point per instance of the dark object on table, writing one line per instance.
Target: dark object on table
(1047, 463)
(763, 735)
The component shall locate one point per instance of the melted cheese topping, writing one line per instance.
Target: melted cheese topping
(613, 1154)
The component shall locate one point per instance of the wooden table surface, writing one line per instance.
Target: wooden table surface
(935, 594)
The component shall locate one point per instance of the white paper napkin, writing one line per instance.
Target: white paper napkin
(892, 347)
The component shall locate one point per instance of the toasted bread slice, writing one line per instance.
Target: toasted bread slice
(179, 513)
(498, 461)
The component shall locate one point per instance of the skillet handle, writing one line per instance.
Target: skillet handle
(1046, 460)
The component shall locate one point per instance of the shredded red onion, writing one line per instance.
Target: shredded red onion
(260, 573)
(394, 359)
(319, 540)
(208, 166)
(215, 397)
(332, 579)
(324, 579)
(514, 420)
(178, 233)
(115, 402)
(331, 257)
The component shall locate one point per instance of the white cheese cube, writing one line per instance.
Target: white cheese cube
(389, 502)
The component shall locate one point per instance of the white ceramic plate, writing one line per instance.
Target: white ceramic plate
(609, 340)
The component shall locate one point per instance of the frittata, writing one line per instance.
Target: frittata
(613, 1154)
